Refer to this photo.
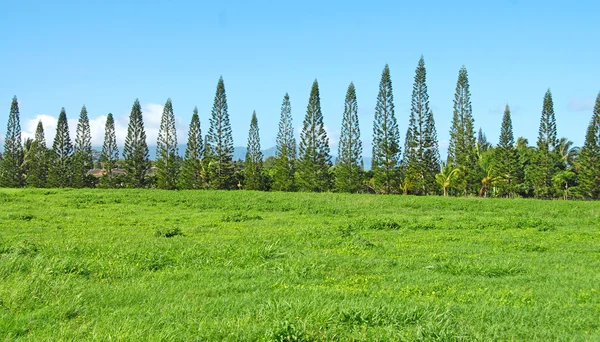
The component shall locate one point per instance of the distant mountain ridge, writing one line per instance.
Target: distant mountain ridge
(239, 153)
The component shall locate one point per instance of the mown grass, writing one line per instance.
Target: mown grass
(156, 265)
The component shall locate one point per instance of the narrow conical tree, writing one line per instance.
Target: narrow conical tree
(192, 173)
(82, 151)
(546, 161)
(167, 161)
(348, 164)
(110, 151)
(409, 161)
(432, 163)
(61, 168)
(28, 151)
(525, 154)
(38, 165)
(254, 158)
(482, 143)
(421, 160)
(505, 157)
(314, 161)
(219, 145)
(135, 152)
(462, 145)
(11, 174)
(283, 177)
(589, 157)
(386, 138)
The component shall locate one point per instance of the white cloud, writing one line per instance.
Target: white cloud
(498, 110)
(332, 135)
(443, 148)
(334, 138)
(151, 112)
(581, 104)
(49, 123)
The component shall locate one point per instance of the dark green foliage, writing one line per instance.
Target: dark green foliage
(82, 151)
(507, 139)
(254, 158)
(27, 152)
(547, 131)
(589, 157)
(567, 153)
(37, 159)
(284, 169)
(524, 158)
(314, 161)
(547, 160)
(563, 181)
(462, 146)
(421, 160)
(219, 145)
(61, 163)
(135, 152)
(386, 138)
(482, 143)
(237, 179)
(505, 158)
(348, 171)
(240, 217)
(168, 232)
(110, 152)
(192, 173)
(167, 160)
(11, 174)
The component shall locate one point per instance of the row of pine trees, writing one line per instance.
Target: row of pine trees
(551, 169)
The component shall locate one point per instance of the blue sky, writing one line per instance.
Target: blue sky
(106, 54)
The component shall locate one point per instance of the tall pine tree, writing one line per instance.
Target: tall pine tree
(421, 160)
(482, 143)
(505, 157)
(82, 151)
(11, 174)
(167, 161)
(462, 146)
(546, 161)
(589, 157)
(283, 177)
(61, 168)
(386, 138)
(348, 173)
(525, 154)
(38, 155)
(110, 152)
(219, 146)
(254, 158)
(314, 161)
(135, 153)
(192, 173)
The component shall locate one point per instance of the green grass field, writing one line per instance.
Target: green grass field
(144, 265)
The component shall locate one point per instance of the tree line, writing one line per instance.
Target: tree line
(553, 168)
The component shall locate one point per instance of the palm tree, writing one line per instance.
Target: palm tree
(562, 180)
(406, 185)
(487, 182)
(568, 152)
(446, 177)
(28, 154)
